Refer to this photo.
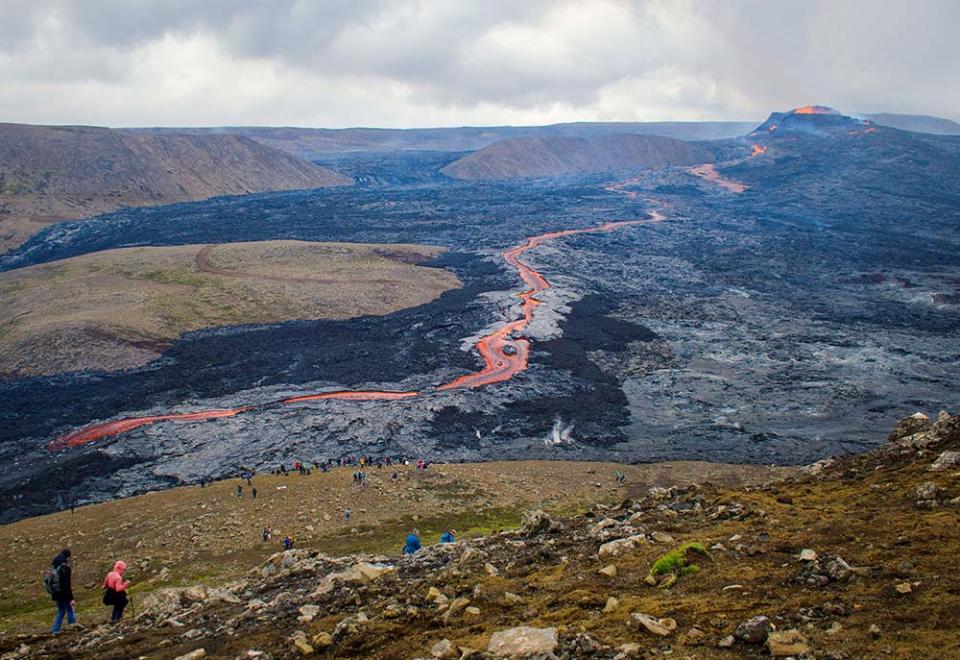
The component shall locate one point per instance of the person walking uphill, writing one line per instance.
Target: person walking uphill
(115, 590)
(57, 581)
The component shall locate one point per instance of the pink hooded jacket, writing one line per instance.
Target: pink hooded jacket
(114, 579)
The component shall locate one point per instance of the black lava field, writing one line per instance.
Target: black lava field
(783, 324)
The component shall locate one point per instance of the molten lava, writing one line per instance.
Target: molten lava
(814, 110)
(757, 150)
(708, 172)
(504, 355)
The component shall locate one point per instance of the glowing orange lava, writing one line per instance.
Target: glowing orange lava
(757, 150)
(813, 110)
(504, 355)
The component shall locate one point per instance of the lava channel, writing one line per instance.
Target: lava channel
(504, 355)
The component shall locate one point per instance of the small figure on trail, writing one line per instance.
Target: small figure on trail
(287, 543)
(620, 477)
(394, 476)
(57, 582)
(254, 492)
(239, 490)
(413, 543)
(266, 534)
(115, 590)
(346, 514)
(449, 536)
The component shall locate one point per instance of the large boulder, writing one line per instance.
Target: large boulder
(908, 426)
(523, 641)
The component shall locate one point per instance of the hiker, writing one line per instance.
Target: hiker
(449, 536)
(394, 475)
(56, 580)
(266, 533)
(346, 514)
(115, 590)
(254, 492)
(287, 543)
(239, 490)
(413, 543)
(619, 476)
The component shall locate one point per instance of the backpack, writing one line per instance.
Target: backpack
(51, 581)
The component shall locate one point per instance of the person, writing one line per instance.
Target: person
(346, 514)
(449, 536)
(254, 492)
(266, 534)
(413, 543)
(620, 477)
(394, 475)
(287, 543)
(57, 581)
(115, 590)
(239, 490)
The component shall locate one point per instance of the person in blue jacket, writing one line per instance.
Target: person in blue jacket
(413, 543)
(450, 536)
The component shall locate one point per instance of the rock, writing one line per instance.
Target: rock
(194, 594)
(787, 643)
(755, 630)
(875, 631)
(444, 649)
(733, 587)
(694, 636)
(837, 569)
(536, 522)
(523, 641)
(373, 572)
(808, 555)
(490, 569)
(303, 646)
(456, 605)
(433, 594)
(915, 423)
(322, 640)
(662, 627)
(193, 633)
(609, 571)
(620, 546)
(308, 613)
(662, 537)
(650, 580)
(222, 596)
(512, 599)
(471, 611)
(903, 588)
(193, 655)
(612, 604)
(726, 642)
(629, 650)
(948, 459)
(927, 491)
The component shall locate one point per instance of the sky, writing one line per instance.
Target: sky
(408, 63)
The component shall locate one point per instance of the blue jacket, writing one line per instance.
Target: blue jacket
(447, 537)
(412, 545)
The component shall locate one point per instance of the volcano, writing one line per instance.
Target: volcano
(809, 120)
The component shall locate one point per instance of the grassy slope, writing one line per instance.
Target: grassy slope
(188, 535)
(119, 308)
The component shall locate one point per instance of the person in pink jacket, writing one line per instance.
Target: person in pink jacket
(115, 590)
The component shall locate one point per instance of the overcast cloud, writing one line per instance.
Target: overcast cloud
(447, 62)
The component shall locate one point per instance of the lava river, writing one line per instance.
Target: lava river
(504, 353)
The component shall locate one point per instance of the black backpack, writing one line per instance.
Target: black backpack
(51, 580)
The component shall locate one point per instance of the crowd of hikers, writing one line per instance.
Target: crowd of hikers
(58, 577)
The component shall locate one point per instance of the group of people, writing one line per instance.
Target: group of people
(413, 544)
(58, 581)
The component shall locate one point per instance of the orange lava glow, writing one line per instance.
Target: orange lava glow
(757, 150)
(708, 172)
(504, 355)
(772, 127)
(812, 110)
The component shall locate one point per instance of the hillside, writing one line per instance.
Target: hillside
(916, 123)
(846, 558)
(120, 308)
(50, 173)
(539, 157)
(314, 143)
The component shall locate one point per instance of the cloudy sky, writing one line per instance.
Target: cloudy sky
(459, 62)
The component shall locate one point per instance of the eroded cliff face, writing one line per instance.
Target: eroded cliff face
(50, 173)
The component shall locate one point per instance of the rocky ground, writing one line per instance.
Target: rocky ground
(846, 558)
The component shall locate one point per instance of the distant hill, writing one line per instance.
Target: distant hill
(314, 143)
(551, 156)
(917, 123)
(50, 173)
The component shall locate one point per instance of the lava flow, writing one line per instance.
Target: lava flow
(757, 150)
(708, 172)
(504, 355)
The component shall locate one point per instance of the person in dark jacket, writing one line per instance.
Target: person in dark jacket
(449, 536)
(63, 595)
(412, 544)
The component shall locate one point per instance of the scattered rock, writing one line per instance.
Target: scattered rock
(903, 588)
(620, 546)
(322, 640)
(444, 649)
(612, 604)
(662, 627)
(193, 655)
(609, 571)
(662, 537)
(808, 555)
(948, 459)
(726, 642)
(754, 631)
(786, 643)
(523, 641)
(875, 631)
